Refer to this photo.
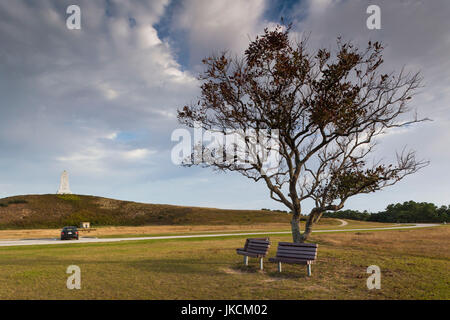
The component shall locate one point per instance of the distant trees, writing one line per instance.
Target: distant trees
(406, 212)
(349, 214)
(275, 210)
(413, 212)
(13, 201)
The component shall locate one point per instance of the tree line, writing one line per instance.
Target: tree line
(406, 212)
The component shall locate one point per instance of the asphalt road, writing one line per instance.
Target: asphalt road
(47, 241)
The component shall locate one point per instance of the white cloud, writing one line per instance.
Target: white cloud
(137, 154)
(416, 37)
(100, 159)
(320, 6)
(219, 25)
(67, 96)
(111, 136)
(107, 91)
(148, 37)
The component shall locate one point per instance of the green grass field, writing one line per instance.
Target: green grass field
(415, 264)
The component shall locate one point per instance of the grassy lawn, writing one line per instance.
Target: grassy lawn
(415, 264)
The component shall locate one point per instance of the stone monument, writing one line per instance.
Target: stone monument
(64, 185)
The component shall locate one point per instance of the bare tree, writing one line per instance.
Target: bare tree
(328, 108)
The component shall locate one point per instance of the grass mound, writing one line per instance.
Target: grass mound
(53, 211)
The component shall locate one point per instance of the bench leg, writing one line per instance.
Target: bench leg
(261, 266)
(309, 270)
(246, 260)
(279, 266)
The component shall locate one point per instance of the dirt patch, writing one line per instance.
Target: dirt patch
(232, 271)
(316, 287)
(331, 241)
(272, 280)
(108, 204)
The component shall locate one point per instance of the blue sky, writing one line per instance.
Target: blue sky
(101, 102)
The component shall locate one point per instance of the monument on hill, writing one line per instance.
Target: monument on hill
(64, 185)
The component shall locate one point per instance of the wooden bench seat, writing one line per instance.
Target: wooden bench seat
(297, 253)
(255, 248)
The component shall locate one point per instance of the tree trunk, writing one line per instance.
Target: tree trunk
(295, 226)
(313, 217)
(308, 229)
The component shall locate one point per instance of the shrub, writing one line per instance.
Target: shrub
(69, 197)
(17, 201)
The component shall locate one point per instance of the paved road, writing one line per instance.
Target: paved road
(29, 242)
(343, 222)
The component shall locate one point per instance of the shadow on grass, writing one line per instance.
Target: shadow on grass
(179, 266)
(241, 268)
(297, 273)
(288, 275)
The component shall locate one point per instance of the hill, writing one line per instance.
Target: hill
(53, 211)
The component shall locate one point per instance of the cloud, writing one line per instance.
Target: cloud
(68, 94)
(108, 73)
(101, 101)
(97, 158)
(137, 154)
(416, 37)
(111, 136)
(214, 26)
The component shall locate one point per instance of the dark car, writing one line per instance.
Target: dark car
(69, 233)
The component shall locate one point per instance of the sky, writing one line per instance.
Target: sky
(101, 101)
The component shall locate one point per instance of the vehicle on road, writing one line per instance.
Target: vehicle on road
(69, 232)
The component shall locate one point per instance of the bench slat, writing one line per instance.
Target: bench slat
(255, 240)
(258, 248)
(291, 256)
(297, 248)
(308, 253)
(290, 260)
(257, 251)
(249, 254)
(261, 242)
(291, 244)
(259, 245)
(294, 255)
(313, 253)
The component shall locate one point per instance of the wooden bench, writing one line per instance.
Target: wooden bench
(298, 253)
(255, 248)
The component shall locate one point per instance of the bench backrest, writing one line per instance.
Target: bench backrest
(257, 245)
(302, 251)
